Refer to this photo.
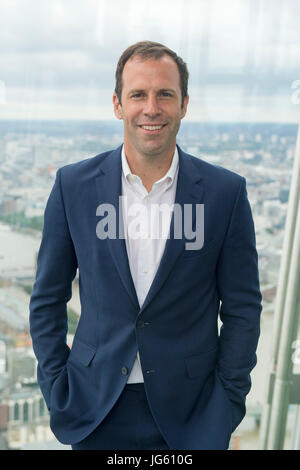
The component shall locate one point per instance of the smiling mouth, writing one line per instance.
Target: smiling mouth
(155, 129)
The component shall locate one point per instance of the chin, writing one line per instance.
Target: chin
(154, 147)
(153, 150)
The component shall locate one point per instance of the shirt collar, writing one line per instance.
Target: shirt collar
(169, 176)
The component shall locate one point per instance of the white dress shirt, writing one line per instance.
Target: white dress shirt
(146, 230)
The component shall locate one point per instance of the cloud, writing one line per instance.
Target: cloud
(63, 47)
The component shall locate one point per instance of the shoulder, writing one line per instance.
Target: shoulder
(214, 174)
(84, 168)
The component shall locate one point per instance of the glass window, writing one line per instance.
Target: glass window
(41, 407)
(58, 61)
(16, 412)
(25, 412)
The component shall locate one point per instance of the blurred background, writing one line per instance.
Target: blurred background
(57, 66)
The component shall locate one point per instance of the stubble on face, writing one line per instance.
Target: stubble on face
(151, 95)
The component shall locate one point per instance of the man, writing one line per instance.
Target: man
(148, 368)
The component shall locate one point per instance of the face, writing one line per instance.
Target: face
(151, 105)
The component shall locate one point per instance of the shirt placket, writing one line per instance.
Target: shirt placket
(145, 258)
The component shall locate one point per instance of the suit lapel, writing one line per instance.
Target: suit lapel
(108, 186)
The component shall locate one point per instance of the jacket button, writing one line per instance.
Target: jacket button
(124, 370)
(140, 324)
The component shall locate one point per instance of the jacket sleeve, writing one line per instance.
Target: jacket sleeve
(239, 291)
(56, 269)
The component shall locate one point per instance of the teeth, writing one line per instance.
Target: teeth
(152, 128)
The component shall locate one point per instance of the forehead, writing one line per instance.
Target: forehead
(162, 73)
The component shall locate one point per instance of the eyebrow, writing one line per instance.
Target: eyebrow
(160, 90)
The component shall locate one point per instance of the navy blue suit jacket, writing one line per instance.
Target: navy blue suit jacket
(196, 375)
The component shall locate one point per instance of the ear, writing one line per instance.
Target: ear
(117, 107)
(184, 108)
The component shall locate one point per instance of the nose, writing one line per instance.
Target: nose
(151, 107)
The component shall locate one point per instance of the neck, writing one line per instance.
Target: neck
(149, 168)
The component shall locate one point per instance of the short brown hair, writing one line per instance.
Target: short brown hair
(153, 50)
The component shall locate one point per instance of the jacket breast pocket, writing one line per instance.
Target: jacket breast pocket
(81, 352)
(200, 365)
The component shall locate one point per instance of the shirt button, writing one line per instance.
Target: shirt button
(145, 270)
(124, 370)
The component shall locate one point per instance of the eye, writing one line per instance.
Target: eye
(166, 94)
(137, 95)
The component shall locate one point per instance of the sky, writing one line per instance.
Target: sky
(58, 57)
